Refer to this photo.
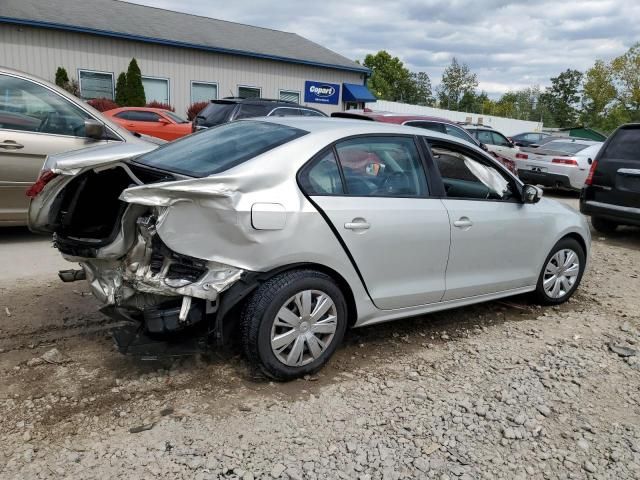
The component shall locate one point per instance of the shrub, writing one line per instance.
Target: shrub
(163, 106)
(121, 89)
(61, 77)
(194, 109)
(102, 104)
(135, 90)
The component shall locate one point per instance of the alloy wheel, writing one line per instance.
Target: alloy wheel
(304, 328)
(561, 273)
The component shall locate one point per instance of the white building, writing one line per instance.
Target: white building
(183, 58)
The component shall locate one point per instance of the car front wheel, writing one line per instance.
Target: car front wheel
(293, 323)
(561, 272)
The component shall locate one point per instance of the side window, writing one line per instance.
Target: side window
(436, 127)
(27, 106)
(139, 116)
(466, 177)
(285, 112)
(499, 140)
(484, 136)
(123, 115)
(310, 113)
(532, 137)
(382, 167)
(458, 132)
(249, 111)
(323, 177)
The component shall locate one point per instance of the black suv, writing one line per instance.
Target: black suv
(227, 109)
(611, 194)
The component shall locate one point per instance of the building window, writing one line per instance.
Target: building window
(156, 89)
(96, 84)
(290, 96)
(203, 91)
(249, 92)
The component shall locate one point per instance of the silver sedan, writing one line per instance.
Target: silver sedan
(287, 231)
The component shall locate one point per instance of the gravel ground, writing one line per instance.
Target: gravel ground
(501, 390)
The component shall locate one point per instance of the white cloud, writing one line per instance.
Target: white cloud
(509, 44)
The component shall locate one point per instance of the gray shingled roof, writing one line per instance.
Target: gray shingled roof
(122, 19)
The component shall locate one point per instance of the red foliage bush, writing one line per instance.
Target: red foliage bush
(194, 109)
(102, 104)
(163, 106)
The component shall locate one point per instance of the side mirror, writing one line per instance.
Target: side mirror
(531, 194)
(94, 129)
(164, 121)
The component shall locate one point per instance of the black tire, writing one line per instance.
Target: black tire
(260, 313)
(603, 225)
(540, 295)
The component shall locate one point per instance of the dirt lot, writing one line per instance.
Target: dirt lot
(501, 390)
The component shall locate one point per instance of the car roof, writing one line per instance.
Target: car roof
(139, 109)
(344, 127)
(391, 117)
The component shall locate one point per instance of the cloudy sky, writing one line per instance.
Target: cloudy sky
(509, 44)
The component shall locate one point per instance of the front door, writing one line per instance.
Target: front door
(377, 200)
(493, 235)
(34, 122)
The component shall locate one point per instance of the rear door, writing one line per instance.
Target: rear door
(616, 179)
(374, 191)
(502, 146)
(34, 122)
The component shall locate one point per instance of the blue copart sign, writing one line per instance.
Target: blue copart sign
(321, 92)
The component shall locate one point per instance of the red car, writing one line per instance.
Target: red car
(436, 124)
(151, 121)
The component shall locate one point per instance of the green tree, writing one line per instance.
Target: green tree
(598, 95)
(121, 90)
(626, 77)
(564, 97)
(62, 79)
(457, 80)
(423, 90)
(390, 79)
(135, 91)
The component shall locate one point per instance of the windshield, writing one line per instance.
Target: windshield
(176, 118)
(215, 113)
(217, 149)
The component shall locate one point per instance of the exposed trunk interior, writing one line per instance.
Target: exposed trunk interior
(88, 211)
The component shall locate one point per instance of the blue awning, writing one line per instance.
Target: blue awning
(352, 92)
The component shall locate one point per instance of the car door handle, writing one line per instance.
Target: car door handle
(357, 225)
(11, 145)
(463, 222)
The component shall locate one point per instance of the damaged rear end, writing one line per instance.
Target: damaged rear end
(160, 294)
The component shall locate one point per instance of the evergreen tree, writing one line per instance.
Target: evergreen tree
(61, 77)
(121, 90)
(135, 91)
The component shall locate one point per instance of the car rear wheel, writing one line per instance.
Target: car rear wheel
(293, 323)
(561, 272)
(603, 225)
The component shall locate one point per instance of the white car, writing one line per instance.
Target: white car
(562, 163)
(496, 142)
(286, 231)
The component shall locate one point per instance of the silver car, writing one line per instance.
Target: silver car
(39, 119)
(562, 163)
(287, 231)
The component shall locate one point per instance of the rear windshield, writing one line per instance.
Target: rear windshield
(215, 113)
(625, 145)
(220, 148)
(566, 147)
